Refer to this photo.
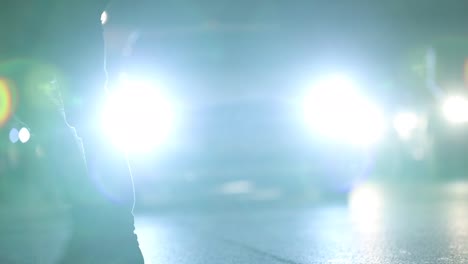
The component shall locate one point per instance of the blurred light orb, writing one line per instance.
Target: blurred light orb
(455, 109)
(336, 109)
(6, 103)
(24, 135)
(104, 18)
(405, 123)
(137, 117)
(14, 135)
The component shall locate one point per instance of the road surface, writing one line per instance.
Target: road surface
(378, 224)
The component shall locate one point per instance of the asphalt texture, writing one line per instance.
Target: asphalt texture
(377, 224)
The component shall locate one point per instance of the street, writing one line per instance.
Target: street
(256, 132)
(379, 224)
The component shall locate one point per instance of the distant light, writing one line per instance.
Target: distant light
(104, 18)
(24, 135)
(405, 123)
(336, 109)
(14, 135)
(455, 109)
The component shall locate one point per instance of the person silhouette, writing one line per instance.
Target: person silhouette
(53, 52)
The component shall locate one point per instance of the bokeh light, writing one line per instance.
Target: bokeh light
(6, 102)
(24, 135)
(14, 135)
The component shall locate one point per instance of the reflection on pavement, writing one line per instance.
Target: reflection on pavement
(365, 208)
(421, 224)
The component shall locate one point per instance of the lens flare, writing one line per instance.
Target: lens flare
(6, 102)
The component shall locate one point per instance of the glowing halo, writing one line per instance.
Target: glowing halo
(6, 102)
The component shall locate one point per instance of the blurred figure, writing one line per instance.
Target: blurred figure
(52, 51)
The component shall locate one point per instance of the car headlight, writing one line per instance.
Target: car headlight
(455, 109)
(337, 110)
(137, 117)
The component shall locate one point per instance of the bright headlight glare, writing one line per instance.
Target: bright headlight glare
(137, 117)
(335, 109)
(455, 109)
(405, 123)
